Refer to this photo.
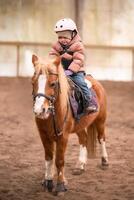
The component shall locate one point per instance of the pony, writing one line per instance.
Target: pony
(55, 121)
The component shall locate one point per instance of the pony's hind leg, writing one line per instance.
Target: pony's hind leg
(100, 125)
(82, 159)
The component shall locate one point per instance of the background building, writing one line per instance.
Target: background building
(106, 26)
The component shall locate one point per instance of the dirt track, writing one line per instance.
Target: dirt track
(22, 157)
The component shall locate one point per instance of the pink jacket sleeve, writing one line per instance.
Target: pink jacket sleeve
(54, 50)
(78, 57)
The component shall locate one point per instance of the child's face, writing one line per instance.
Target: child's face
(64, 40)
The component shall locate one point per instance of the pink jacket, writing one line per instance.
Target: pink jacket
(77, 49)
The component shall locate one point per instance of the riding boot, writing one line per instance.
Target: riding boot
(90, 106)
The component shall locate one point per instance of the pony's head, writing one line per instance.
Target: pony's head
(48, 75)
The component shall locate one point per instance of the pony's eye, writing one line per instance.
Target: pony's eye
(52, 84)
(35, 74)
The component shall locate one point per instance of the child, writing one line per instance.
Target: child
(69, 46)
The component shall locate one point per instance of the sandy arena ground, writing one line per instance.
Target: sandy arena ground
(22, 157)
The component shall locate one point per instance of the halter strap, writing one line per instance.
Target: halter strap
(65, 49)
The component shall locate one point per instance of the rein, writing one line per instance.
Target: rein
(57, 131)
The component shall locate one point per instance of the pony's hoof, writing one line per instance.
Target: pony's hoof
(79, 168)
(60, 189)
(104, 163)
(48, 185)
(78, 171)
(59, 194)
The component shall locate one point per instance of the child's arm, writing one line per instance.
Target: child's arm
(54, 51)
(78, 58)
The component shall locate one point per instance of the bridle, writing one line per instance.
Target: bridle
(49, 98)
(52, 99)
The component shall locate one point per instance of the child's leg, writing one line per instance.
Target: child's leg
(80, 81)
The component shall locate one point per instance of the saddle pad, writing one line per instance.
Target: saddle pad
(89, 84)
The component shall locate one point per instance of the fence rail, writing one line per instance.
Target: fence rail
(18, 45)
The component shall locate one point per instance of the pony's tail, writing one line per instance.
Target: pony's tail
(91, 140)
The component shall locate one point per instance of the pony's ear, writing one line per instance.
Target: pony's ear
(56, 61)
(34, 58)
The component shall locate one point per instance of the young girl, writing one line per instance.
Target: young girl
(70, 47)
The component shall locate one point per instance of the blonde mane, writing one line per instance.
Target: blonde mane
(56, 67)
(64, 88)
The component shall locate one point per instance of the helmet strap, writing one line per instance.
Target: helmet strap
(74, 33)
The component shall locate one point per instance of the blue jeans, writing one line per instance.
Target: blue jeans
(79, 79)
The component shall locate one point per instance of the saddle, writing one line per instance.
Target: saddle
(77, 100)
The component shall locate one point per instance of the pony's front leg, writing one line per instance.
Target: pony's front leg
(61, 144)
(48, 144)
(47, 183)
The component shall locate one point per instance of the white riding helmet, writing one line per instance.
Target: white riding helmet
(64, 25)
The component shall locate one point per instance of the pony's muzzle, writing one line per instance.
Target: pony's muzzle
(42, 113)
(37, 111)
(38, 105)
(39, 114)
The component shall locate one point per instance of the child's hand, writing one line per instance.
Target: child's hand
(68, 72)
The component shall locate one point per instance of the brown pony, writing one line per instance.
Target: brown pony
(55, 121)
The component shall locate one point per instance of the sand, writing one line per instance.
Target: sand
(22, 156)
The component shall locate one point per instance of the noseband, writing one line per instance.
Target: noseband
(49, 98)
